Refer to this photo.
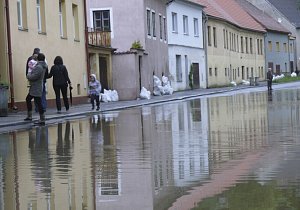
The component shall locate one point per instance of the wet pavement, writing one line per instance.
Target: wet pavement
(16, 118)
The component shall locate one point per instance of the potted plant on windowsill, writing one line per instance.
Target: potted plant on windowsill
(3, 98)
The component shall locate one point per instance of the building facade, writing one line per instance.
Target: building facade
(55, 28)
(186, 48)
(140, 41)
(235, 44)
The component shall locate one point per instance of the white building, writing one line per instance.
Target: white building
(185, 45)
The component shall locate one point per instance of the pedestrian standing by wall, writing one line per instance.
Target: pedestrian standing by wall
(36, 78)
(94, 91)
(60, 83)
(269, 78)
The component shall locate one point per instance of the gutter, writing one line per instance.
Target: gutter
(86, 40)
(10, 68)
(205, 19)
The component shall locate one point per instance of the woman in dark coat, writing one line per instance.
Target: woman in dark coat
(60, 82)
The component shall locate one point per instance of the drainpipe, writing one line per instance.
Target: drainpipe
(10, 68)
(86, 41)
(204, 15)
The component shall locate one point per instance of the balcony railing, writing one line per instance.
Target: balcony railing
(99, 38)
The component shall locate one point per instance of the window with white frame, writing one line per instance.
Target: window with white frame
(19, 11)
(38, 13)
(196, 27)
(165, 29)
(153, 24)
(22, 14)
(160, 28)
(185, 25)
(174, 22)
(75, 22)
(60, 14)
(148, 22)
(101, 20)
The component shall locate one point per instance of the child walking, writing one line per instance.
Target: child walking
(94, 91)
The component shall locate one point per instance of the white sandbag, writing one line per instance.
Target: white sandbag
(145, 94)
(114, 95)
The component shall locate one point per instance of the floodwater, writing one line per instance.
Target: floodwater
(226, 152)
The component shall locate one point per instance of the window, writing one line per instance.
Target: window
(208, 36)
(40, 10)
(270, 46)
(242, 45)
(148, 22)
(165, 29)
(215, 36)
(246, 43)
(261, 46)
(174, 22)
(153, 24)
(224, 37)
(22, 14)
(210, 71)
(196, 27)
(160, 27)
(277, 47)
(101, 20)
(62, 19)
(251, 46)
(178, 68)
(285, 47)
(185, 25)
(75, 22)
(258, 50)
(216, 71)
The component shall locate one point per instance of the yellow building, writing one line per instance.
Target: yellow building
(235, 43)
(57, 28)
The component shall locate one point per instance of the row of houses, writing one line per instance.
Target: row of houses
(195, 43)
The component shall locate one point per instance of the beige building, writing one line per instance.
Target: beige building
(234, 54)
(53, 26)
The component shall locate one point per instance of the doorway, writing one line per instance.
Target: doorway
(103, 73)
(196, 82)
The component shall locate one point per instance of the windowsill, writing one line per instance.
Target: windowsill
(22, 29)
(154, 38)
(76, 40)
(42, 33)
(149, 37)
(65, 38)
(185, 34)
(196, 36)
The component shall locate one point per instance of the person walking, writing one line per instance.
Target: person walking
(36, 78)
(60, 82)
(269, 78)
(94, 91)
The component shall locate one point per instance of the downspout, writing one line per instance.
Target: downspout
(86, 40)
(205, 18)
(10, 68)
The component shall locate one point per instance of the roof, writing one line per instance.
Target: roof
(290, 9)
(263, 18)
(232, 12)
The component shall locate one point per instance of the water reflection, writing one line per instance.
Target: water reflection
(206, 153)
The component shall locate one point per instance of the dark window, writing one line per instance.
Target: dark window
(102, 20)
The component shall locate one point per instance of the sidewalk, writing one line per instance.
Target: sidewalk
(17, 118)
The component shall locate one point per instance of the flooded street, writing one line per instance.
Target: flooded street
(233, 151)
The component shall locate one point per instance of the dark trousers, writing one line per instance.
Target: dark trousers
(94, 98)
(44, 100)
(64, 91)
(37, 100)
(269, 84)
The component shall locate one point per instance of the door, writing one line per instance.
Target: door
(196, 75)
(278, 70)
(103, 73)
(292, 66)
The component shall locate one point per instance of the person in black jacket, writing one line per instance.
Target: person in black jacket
(60, 82)
(269, 78)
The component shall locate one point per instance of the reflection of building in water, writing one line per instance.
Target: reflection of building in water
(104, 159)
(237, 123)
(48, 169)
(190, 148)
